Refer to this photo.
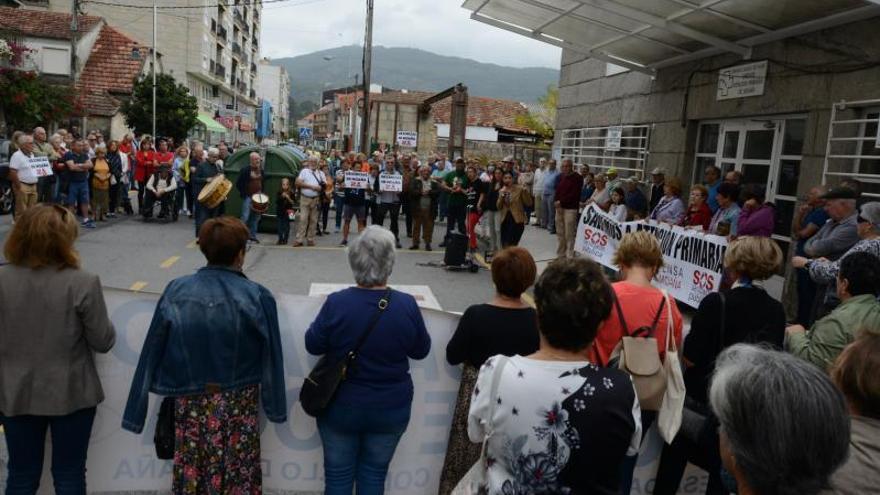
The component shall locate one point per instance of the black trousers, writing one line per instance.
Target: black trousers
(697, 442)
(166, 202)
(455, 217)
(511, 232)
(406, 208)
(394, 210)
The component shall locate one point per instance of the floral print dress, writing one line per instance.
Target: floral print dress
(558, 427)
(217, 443)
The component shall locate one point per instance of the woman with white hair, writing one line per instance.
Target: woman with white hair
(784, 426)
(360, 429)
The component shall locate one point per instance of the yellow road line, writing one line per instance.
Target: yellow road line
(137, 286)
(528, 299)
(192, 244)
(170, 261)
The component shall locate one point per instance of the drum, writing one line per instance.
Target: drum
(259, 203)
(215, 192)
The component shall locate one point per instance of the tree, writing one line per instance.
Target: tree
(176, 110)
(542, 118)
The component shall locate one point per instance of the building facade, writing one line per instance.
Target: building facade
(213, 50)
(273, 84)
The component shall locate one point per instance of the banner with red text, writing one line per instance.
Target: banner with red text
(692, 259)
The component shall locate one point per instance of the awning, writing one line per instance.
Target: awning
(210, 124)
(646, 35)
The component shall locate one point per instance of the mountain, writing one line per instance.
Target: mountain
(413, 69)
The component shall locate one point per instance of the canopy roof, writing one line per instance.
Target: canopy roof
(646, 35)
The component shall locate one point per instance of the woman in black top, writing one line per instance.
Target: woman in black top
(506, 325)
(744, 313)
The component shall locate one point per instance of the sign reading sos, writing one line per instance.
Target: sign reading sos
(704, 280)
(596, 237)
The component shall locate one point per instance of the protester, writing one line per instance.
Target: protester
(372, 197)
(100, 185)
(698, 215)
(311, 183)
(588, 188)
(809, 218)
(744, 313)
(339, 194)
(614, 181)
(22, 176)
(371, 408)
(538, 193)
(389, 202)
(205, 171)
(725, 220)
(551, 177)
(491, 213)
(117, 173)
(733, 177)
(284, 204)
(858, 285)
(42, 147)
(566, 202)
(547, 441)
(52, 321)
(161, 187)
(618, 209)
(326, 199)
(506, 325)
(251, 180)
(784, 427)
(511, 204)
(712, 180)
(658, 184)
(857, 374)
(475, 198)
(757, 218)
(601, 196)
(145, 167)
(180, 172)
(424, 193)
(635, 199)
(670, 209)
(214, 349)
(78, 165)
(354, 206)
(455, 184)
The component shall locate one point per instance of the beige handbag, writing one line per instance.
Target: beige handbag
(669, 416)
(637, 355)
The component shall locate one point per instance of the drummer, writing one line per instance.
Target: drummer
(205, 171)
(250, 182)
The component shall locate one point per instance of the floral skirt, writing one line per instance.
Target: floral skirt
(217, 443)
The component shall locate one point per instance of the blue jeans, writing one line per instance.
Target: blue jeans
(338, 203)
(549, 212)
(358, 445)
(249, 217)
(25, 440)
(78, 193)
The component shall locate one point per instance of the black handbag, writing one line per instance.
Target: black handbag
(163, 437)
(320, 386)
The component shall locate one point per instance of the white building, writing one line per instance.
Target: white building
(213, 50)
(273, 84)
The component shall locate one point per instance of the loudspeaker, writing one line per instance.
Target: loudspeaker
(456, 249)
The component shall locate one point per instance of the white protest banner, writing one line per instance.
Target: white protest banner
(292, 459)
(692, 260)
(409, 139)
(40, 165)
(357, 180)
(390, 182)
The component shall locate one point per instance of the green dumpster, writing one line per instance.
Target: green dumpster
(278, 163)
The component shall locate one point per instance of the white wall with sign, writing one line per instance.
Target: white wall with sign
(741, 81)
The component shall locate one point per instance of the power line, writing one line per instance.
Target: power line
(180, 7)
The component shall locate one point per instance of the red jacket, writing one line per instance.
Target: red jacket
(702, 217)
(144, 167)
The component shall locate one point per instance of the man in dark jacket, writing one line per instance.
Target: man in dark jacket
(205, 172)
(250, 182)
(658, 180)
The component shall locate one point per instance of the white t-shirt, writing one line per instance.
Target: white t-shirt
(312, 178)
(21, 164)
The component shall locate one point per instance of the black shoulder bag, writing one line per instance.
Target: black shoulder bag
(163, 437)
(320, 386)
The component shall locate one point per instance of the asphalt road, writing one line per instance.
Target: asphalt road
(129, 254)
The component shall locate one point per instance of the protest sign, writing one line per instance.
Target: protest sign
(40, 165)
(692, 260)
(390, 182)
(409, 139)
(357, 180)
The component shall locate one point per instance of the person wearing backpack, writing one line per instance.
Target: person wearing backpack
(745, 313)
(640, 310)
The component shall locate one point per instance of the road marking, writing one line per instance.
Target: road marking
(137, 286)
(528, 299)
(192, 244)
(170, 261)
(338, 248)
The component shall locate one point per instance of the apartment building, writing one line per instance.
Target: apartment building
(273, 85)
(213, 50)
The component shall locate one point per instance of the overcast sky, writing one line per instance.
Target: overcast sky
(440, 26)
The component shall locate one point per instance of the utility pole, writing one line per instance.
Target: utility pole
(74, 28)
(368, 54)
(155, 18)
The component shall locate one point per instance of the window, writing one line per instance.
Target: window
(600, 148)
(55, 60)
(853, 150)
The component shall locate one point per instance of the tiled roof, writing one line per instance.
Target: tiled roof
(109, 71)
(43, 24)
(408, 98)
(483, 112)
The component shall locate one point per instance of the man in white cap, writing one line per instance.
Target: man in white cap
(658, 180)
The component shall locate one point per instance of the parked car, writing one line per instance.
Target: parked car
(5, 184)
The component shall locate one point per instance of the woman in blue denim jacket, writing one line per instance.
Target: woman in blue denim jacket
(362, 426)
(214, 346)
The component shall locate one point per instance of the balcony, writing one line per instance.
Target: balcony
(219, 71)
(242, 87)
(236, 48)
(253, 67)
(239, 18)
(253, 94)
(221, 33)
(256, 44)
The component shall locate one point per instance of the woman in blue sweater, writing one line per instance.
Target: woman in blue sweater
(371, 409)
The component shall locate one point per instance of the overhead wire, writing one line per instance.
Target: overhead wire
(181, 7)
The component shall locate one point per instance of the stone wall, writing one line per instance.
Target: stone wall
(497, 151)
